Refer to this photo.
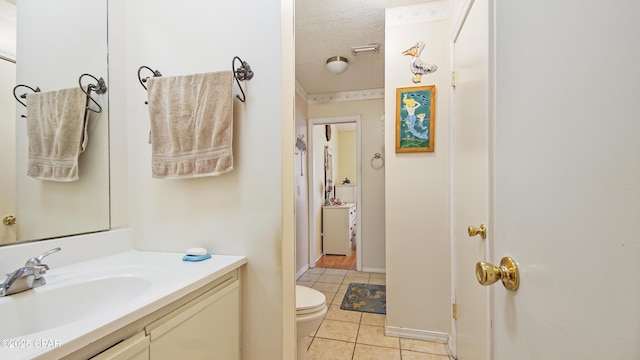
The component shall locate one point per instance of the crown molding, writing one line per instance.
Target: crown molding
(414, 14)
(301, 91)
(347, 96)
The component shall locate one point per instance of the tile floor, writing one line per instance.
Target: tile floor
(353, 335)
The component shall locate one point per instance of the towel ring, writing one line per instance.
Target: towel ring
(241, 73)
(99, 88)
(377, 156)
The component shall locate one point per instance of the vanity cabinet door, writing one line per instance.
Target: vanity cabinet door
(134, 348)
(207, 328)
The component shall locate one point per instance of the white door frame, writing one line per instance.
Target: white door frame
(462, 17)
(311, 175)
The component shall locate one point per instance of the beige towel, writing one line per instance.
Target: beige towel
(191, 125)
(57, 133)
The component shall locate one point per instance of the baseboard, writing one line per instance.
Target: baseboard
(302, 271)
(416, 334)
(449, 345)
(374, 270)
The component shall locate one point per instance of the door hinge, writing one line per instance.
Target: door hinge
(454, 311)
(453, 79)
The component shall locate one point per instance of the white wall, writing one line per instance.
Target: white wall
(232, 213)
(8, 29)
(372, 206)
(347, 157)
(417, 186)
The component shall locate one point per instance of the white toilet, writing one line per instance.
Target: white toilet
(311, 306)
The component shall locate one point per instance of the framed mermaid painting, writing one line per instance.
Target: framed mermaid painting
(415, 119)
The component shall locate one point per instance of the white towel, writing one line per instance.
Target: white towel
(191, 125)
(57, 133)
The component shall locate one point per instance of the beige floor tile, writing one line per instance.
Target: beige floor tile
(343, 289)
(333, 279)
(308, 340)
(309, 277)
(356, 277)
(373, 319)
(375, 281)
(424, 346)
(329, 297)
(305, 283)
(326, 349)
(335, 313)
(338, 330)
(335, 272)
(368, 352)
(412, 355)
(378, 276)
(326, 287)
(374, 335)
(338, 299)
(358, 273)
(318, 271)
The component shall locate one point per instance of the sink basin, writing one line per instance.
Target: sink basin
(50, 306)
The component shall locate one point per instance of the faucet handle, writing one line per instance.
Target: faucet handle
(39, 270)
(38, 259)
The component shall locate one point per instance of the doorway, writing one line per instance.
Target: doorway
(325, 197)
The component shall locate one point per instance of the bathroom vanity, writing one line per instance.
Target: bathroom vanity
(194, 327)
(338, 228)
(127, 305)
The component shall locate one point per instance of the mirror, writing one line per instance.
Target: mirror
(52, 52)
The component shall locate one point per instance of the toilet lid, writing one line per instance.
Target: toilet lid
(308, 298)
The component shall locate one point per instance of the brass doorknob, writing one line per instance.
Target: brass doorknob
(9, 220)
(473, 231)
(508, 272)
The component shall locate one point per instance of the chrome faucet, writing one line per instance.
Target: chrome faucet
(27, 277)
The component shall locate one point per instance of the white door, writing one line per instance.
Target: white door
(471, 178)
(7, 149)
(567, 179)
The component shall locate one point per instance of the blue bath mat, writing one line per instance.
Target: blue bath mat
(366, 298)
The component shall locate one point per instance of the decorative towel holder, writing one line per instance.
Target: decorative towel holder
(99, 88)
(241, 73)
(24, 95)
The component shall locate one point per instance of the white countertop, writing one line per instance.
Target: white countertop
(169, 277)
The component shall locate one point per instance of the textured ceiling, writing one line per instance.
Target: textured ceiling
(331, 27)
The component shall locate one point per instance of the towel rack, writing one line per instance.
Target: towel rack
(243, 72)
(99, 88)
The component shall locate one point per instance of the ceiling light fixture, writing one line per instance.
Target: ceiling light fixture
(366, 49)
(337, 64)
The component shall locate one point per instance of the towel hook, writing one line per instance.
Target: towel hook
(155, 73)
(99, 88)
(241, 73)
(23, 96)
